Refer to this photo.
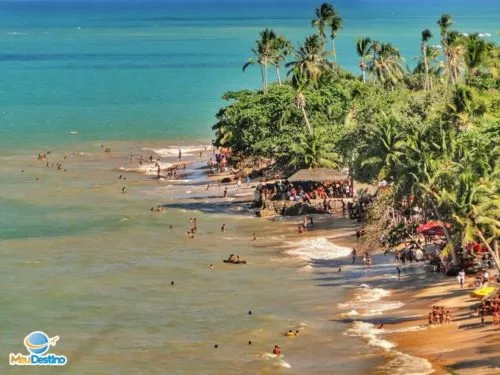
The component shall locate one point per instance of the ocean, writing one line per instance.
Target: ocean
(156, 70)
(84, 261)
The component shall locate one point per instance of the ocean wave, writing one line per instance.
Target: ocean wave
(400, 363)
(405, 364)
(369, 332)
(147, 169)
(366, 301)
(174, 150)
(316, 249)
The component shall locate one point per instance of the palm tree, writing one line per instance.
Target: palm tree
(323, 16)
(386, 64)
(327, 17)
(335, 24)
(475, 206)
(426, 35)
(454, 55)
(263, 55)
(363, 48)
(314, 150)
(310, 62)
(281, 49)
(386, 148)
(300, 102)
(476, 52)
(445, 22)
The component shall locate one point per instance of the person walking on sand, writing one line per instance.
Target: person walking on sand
(239, 182)
(354, 255)
(225, 192)
(461, 278)
(180, 154)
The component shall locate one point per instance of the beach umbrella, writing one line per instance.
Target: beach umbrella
(432, 228)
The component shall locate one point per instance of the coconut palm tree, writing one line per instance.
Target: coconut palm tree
(386, 64)
(386, 148)
(300, 102)
(323, 15)
(476, 52)
(363, 48)
(445, 22)
(281, 49)
(263, 54)
(313, 150)
(455, 56)
(476, 206)
(426, 36)
(310, 62)
(335, 24)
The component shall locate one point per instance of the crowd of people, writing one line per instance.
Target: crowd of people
(489, 307)
(438, 315)
(306, 191)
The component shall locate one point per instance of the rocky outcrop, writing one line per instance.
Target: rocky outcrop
(287, 208)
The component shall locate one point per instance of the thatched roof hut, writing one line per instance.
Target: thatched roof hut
(318, 175)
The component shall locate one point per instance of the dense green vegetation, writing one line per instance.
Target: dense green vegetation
(433, 133)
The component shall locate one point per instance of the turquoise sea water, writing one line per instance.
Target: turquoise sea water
(81, 260)
(156, 69)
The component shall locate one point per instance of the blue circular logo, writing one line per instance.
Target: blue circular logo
(37, 342)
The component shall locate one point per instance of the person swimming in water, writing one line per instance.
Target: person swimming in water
(277, 350)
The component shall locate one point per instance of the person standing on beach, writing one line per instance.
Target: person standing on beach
(461, 278)
(180, 155)
(399, 273)
(354, 255)
(223, 228)
(225, 192)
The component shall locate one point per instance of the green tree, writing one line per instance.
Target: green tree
(280, 51)
(323, 15)
(445, 22)
(386, 64)
(310, 62)
(335, 24)
(313, 150)
(476, 53)
(263, 55)
(426, 36)
(363, 48)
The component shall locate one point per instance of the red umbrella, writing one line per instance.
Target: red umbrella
(432, 228)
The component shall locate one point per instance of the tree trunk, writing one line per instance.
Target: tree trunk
(363, 70)
(495, 257)
(265, 75)
(446, 233)
(263, 78)
(278, 74)
(334, 51)
(307, 121)
(426, 65)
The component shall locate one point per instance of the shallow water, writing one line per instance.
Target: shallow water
(83, 261)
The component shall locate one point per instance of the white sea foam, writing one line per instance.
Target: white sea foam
(174, 150)
(366, 302)
(405, 364)
(369, 332)
(148, 169)
(74, 132)
(400, 363)
(316, 248)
